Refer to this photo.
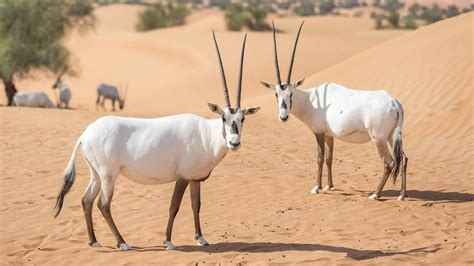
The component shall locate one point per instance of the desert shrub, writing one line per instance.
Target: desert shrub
(305, 8)
(349, 3)
(409, 22)
(414, 10)
(235, 17)
(284, 5)
(431, 15)
(376, 3)
(452, 11)
(221, 4)
(256, 19)
(253, 17)
(393, 19)
(326, 6)
(160, 16)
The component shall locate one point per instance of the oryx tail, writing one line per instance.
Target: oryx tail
(69, 176)
(397, 144)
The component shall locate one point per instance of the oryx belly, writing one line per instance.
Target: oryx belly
(355, 116)
(151, 151)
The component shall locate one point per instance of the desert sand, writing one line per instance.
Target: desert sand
(256, 206)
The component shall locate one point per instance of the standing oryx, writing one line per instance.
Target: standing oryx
(333, 111)
(112, 93)
(64, 91)
(180, 148)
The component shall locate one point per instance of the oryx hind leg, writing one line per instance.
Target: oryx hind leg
(320, 142)
(88, 198)
(104, 203)
(384, 153)
(403, 191)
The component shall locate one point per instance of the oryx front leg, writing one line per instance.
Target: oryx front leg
(178, 193)
(320, 142)
(105, 199)
(330, 147)
(195, 187)
(387, 158)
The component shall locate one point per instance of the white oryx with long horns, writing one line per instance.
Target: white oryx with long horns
(64, 91)
(333, 111)
(111, 92)
(181, 148)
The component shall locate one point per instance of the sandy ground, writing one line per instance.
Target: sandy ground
(256, 205)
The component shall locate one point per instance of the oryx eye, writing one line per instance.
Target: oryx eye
(223, 119)
(243, 118)
(276, 95)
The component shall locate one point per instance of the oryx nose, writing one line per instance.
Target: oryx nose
(284, 118)
(235, 145)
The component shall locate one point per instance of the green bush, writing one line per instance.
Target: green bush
(431, 15)
(253, 17)
(326, 7)
(306, 8)
(256, 19)
(409, 22)
(160, 16)
(235, 17)
(452, 11)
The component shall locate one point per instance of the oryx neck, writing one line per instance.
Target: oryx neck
(300, 104)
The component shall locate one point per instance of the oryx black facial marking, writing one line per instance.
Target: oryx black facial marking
(283, 105)
(234, 129)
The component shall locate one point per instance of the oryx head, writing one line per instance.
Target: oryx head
(58, 81)
(232, 117)
(122, 95)
(284, 90)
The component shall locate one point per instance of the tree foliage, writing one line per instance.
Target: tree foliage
(31, 34)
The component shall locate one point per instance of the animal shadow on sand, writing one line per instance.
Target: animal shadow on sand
(265, 247)
(440, 196)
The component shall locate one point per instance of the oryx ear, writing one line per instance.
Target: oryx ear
(215, 108)
(251, 111)
(298, 83)
(270, 86)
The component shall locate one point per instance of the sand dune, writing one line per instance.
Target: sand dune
(256, 205)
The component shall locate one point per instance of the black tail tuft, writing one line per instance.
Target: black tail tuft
(69, 177)
(398, 153)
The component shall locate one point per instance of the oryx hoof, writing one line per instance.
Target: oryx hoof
(401, 197)
(123, 246)
(328, 188)
(95, 244)
(374, 197)
(202, 242)
(169, 245)
(315, 190)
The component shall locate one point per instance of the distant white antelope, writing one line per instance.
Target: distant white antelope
(180, 148)
(112, 93)
(32, 99)
(333, 111)
(64, 91)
